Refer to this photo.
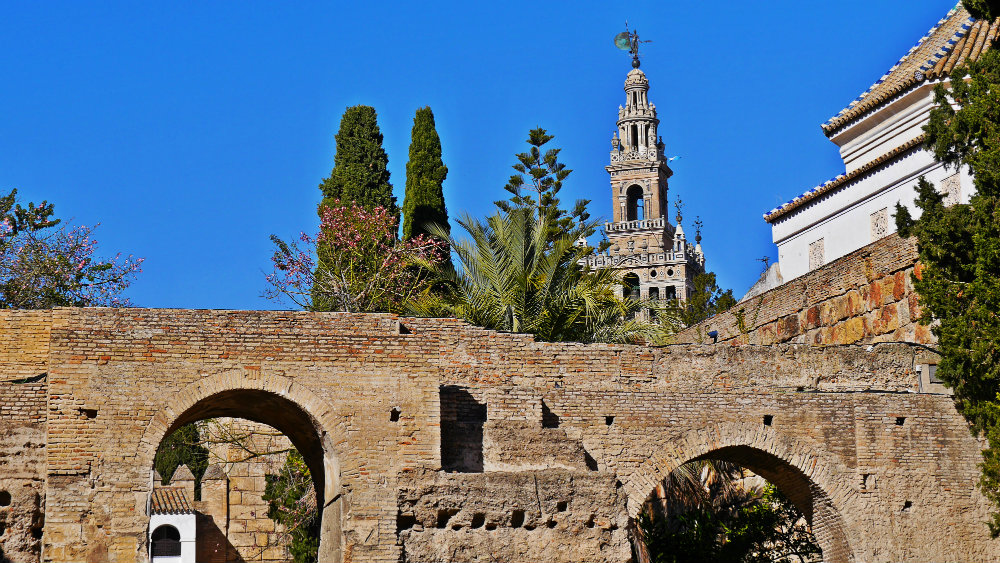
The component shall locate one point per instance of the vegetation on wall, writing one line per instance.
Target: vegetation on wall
(959, 250)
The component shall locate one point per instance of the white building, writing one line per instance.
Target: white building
(880, 136)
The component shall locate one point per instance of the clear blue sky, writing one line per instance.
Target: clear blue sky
(192, 131)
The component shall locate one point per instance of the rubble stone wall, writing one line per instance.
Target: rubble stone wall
(885, 472)
(863, 297)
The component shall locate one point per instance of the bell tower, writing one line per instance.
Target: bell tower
(653, 256)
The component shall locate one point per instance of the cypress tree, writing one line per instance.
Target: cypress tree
(360, 167)
(360, 175)
(425, 173)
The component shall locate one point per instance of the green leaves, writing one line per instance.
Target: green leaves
(983, 9)
(425, 174)
(514, 276)
(360, 172)
(959, 249)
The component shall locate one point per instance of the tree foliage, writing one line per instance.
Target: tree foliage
(516, 276)
(291, 499)
(543, 175)
(424, 204)
(360, 167)
(45, 264)
(707, 299)
(721, 521)
(182, 447)
(362, 267)
(959, 250)
(983, 9)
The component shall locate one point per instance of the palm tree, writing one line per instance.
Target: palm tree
(515, 274)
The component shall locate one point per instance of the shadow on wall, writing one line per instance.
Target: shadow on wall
(462, 420)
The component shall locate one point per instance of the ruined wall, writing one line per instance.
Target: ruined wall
(865, 296)
(886, 473)
(23, 390)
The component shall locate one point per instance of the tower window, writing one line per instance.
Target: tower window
(636, 206)
(630, 285)
(635, 136)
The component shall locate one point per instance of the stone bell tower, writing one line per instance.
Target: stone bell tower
(653, 256)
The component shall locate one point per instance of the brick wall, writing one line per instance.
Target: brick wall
(866, 296)
(886, 472)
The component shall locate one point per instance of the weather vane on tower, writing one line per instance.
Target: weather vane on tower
(629, 41)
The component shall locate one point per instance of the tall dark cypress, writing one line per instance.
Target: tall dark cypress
(360, 175)
(425, 174)
(360, 167)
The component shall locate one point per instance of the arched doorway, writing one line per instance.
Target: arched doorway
(803, 475)
(278, 403)
(165, 544)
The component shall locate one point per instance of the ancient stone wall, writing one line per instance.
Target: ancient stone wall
(884, 472)
(865, 296)
(23, 390)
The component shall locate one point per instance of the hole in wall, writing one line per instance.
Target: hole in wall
(89, 413)
(549, 418)
(3, 528)
(405, 522)
(590, 461)
(517, 519)
(609, 420)
(403, 329)
(900, 420)
(551, 524)
(907, 506)
(562, 506)
(491, 526)
(590, 521)
(394, 414)
(768, 419)
(4, 498)
(478, 519)
(444, 515)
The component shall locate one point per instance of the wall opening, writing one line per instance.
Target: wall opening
(635, 205)
(166, 542)
(246, 447)
(462, 420)
(718, 497)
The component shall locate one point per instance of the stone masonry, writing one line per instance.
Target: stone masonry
(432, 440)
(864, 297)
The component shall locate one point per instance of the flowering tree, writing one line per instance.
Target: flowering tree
(362, 267)
(43, 264)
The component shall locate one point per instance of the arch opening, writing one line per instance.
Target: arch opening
(635, 204)
(166, 541)
(268, 453)
(760, 501)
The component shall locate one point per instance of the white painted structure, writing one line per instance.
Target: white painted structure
(185, 524)
(880, 136)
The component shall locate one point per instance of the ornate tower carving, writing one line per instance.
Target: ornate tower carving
(654, 257)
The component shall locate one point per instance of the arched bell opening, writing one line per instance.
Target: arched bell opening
(635, 204)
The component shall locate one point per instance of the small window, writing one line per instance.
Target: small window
(166, 542)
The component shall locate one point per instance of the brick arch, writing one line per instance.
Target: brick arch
(275, 400)
(811, 479)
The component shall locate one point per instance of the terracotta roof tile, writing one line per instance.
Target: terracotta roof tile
(838, 181)
(170, 500)
(954, 39)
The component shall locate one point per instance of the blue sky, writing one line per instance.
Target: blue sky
(193, 131)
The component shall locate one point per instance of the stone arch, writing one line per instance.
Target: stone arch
(272, 399)
(813, 481)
